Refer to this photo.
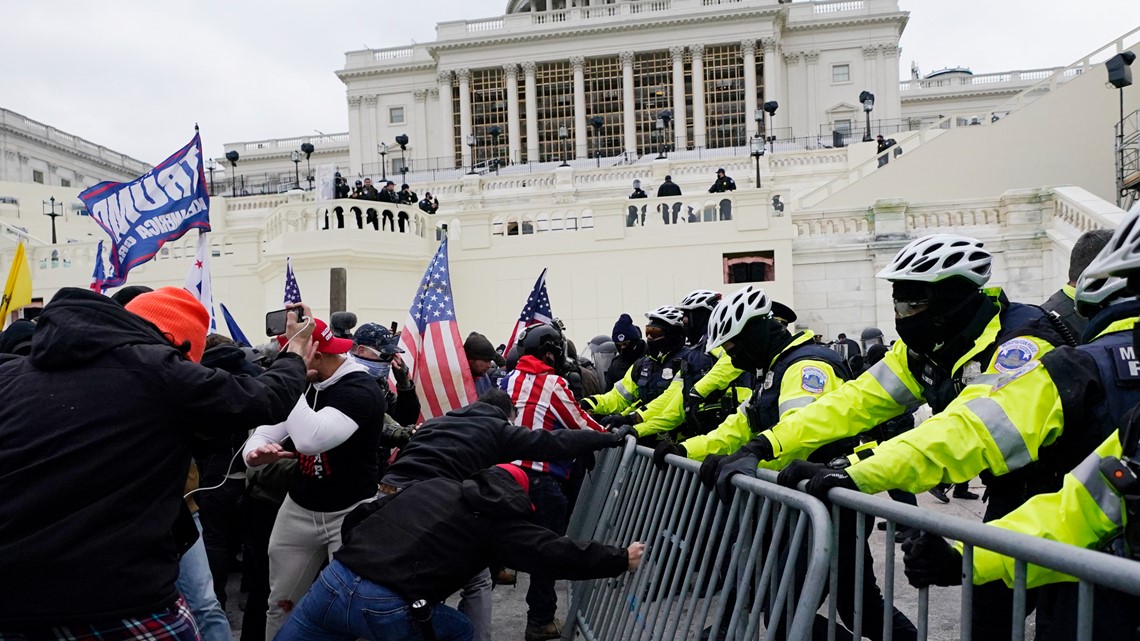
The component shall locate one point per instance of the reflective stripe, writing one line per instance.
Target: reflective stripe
(1005, 434)
(796, 403)
(1088, 473)
(894, 385)
(987, 379)
(629, 398)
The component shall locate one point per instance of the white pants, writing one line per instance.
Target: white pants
(301, 542)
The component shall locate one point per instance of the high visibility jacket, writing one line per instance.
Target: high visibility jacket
(1012, 338)
(644, 381)
(797, 376)
(704, 373)
(1070, 399)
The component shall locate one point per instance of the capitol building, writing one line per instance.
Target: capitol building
(532, 127)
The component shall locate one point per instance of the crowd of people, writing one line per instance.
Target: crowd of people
(382, 219)
(142, 456)
(670, 213)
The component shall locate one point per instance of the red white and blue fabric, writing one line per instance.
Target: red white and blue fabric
(536, 310)
(198, 280)
(543, 401)
(173, 624)
(292, 292)
(433, 349)
(99, 276)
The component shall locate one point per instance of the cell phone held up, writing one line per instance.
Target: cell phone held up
(275, 321)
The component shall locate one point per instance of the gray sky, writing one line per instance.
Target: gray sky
(136, 75)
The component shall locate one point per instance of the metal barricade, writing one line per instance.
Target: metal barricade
(738, 571)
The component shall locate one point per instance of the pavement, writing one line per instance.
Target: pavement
(510, 601)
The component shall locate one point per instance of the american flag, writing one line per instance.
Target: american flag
(292, 292)
(198, 280)
(99, 276)
(433, 349)
(536, 310)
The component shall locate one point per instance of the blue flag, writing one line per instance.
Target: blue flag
(160, 206)
(235, 331)
(292, 292)
(98, 277)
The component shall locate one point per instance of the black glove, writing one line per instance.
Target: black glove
(797, 471)
(708, 470)
(587, 404)
(929, 560)
(613, 421)
(761, 448)
(665, 448)
(620, 432)
(828, 478)
(743, 462)
(693, 402)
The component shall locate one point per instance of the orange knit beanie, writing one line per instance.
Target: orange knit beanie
(177, 314)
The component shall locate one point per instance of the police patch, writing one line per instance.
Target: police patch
(667, 373)
(813, 380)
(1015, 354)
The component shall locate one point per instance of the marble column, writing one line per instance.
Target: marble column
(532, 154)
(514, 131)
(811, 72)
(890, 84)
(465, 130)
(629, 115)
(356, 137)
(871, 83)
(772, 64)
(580, 141)
(371, 156)
(796, 106)
(445, 148)
(698, 53)
(680, 111)
(748, 52)
(420, 129)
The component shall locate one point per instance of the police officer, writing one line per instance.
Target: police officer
(723, 183)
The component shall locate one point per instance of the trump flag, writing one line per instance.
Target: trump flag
(160, 206)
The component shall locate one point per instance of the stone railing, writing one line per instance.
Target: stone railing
(362, 215)
(15, 121)
(1015, 79)
(291, 144)
(1081, 211)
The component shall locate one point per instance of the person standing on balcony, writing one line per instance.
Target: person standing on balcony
(389, 196)
(722, 183)
(430, 204)
(1062, 301)
(632, 218)
(667, 189)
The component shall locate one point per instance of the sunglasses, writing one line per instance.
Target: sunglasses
(905, 309)
(371, 354)
(652, 332)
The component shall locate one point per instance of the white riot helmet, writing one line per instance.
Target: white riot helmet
(667, 314)
(1121, 256)
(700, 298)
(1094, 294)
(935, 258)
(734, 312)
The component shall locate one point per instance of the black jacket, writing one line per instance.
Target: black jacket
(668, 189)
(1067, 309)
(94, 448)
(429, 540)
(216, 456)
(464, 441)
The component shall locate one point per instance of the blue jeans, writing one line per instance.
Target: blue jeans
(342, 606)
(550, 512)
(197, 586)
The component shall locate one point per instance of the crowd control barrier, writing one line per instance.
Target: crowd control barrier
(758, 564)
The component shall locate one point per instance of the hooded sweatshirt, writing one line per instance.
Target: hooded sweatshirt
(94, 450)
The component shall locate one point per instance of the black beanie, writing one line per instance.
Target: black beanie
(625, 330)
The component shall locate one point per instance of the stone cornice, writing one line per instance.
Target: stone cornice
(915, 96)
(71, 151)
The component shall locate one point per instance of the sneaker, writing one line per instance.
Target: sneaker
(965, 494)
(536, 632)
(939, 493)
(506, 577)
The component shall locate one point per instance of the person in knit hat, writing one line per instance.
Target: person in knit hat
(182, 319)
(97, 425)
(17, 338)
(482, 358)
(630, 346)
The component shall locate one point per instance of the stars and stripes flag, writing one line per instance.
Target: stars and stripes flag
(198, 278)
(292, 292)
(536, 310)
(99, 276)
(433, 349)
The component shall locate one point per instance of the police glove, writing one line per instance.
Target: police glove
(709, 466)
(587, 404)
(743, 462)
(929, 560)
(798, 471)
(614, 421)
(819, 485)
(663, 449)
(620, 433)
(693, 403)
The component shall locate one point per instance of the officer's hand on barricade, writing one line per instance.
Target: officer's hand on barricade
(693, 402)
(635, 550)
(587, 404)
(827, 478)
(743, 462)
(709, 466)
(929, 560)
(797, 471)
(620, 433)
(665, 448)
(613, 421)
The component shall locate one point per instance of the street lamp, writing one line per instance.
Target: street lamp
(233, 156)
(868, 100)
(50, 210)
(495, 132)
(663, 119)
(563, 134)
(308, 149)
(1120, 76)
(757, 145)
(770, 107)
(296, 158)
(382, 148)
(211, 166)
(471, 146)
(402, 140)
(597, 122)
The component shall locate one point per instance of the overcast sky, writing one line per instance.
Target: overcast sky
(135, 75)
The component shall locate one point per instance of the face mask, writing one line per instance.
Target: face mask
(919, 333)
(756, 346)
(377, 369)
(666, 344)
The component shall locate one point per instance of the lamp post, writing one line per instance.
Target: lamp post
(233, 156)
(1120, 76)
(471, 146)
(296, 158)
(308, 149)
(597, 122)
(50, 210)
(495, 132)
(757, 145)
(563, 134)
(382, 149)
(211, 166)
(770, 108)
(663, 120)
(402, 140)
(868, 100)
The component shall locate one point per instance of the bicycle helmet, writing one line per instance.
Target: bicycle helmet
(667, 314)
(935, 258)
(1094, 294)
(1121, 256)
(734, 312)
(700, 298)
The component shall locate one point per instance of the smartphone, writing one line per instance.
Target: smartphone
(275, 321)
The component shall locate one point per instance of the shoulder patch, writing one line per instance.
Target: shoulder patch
(813, 380)
(1124, 359)
(1014, 354)
(1010, 377)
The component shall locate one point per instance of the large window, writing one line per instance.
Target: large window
(489, 110)
(604, 100)
(749, 267)
(554, 82)
(840, 74)
(652, 94)
(37, 176)
(724, 97)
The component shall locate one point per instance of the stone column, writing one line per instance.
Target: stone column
(811, 60)
(371, 157)
(888, 84)
(356, 137)
(514, 131)
(531, 112)
(698, 53)
(446, 146)
(748, 51)
(419, 129)
(580, 141)
(772, 88)
(796, 106)
(680, 111)
(629, 116)
(871, 83)
(464, 76)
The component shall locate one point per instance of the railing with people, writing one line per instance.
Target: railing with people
(351, 214)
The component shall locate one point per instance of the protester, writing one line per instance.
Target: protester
(482, 358)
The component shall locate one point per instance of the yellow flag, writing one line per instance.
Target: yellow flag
(18, 291)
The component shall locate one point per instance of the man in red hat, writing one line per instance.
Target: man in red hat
(335, 429)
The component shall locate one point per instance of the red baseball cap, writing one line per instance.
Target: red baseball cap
(323, 337)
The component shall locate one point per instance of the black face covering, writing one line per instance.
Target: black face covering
(669, 342)
(697, 325)
(758, 343)
(946, 321)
